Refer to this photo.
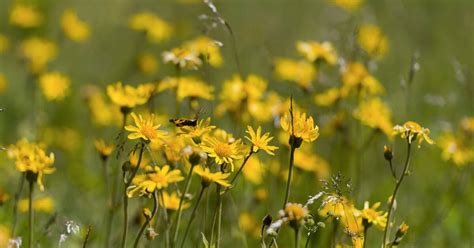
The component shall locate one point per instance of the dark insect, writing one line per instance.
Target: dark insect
(181, 122)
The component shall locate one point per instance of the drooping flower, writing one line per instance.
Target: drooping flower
(145, 129)
(154, 178)
(412, 130)
(222, 152)
(315, 51)
(74, 28)
(156, 29)
(54, 85)
(209, 177)
(260, 142)
(300, 126)
(372, 40)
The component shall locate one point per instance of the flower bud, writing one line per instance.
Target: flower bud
(267, 220)
(387, 153)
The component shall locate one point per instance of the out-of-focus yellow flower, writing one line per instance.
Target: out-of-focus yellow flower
(372, 216)
(222, 152)
(128, 96)
(5, 236)
(54, 85)
(315, 51)
(300, 126)
(156, 29)
(171, 201)
(348, 5)
(30, 157)
(301, 72)
(42, 204)
(375, 114)
(25, 16)
(261, 194)
(260, 142)
(372, 40)
(209, 177)
(183, 58)
(307, 160)
(134, 157)
(356, 77)
(456, 149)
(249, 224)
(254, 170)
(145, 129)
(328, 97)
(4, 43)
(55, 136)
(4, 197)
(39, 52)
(73, 27)
(194, 88)
(173, 148)
(412, 130)
(207, 48)
(147, 63)
(103, 148)
(467, 124)
(347, 214)
(3, 83)
(103, 113)
(155, 178)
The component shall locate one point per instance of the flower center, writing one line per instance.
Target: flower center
(160, 179)
(148, 132)
(223, 150)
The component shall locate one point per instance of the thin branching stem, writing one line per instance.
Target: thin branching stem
(148, 219)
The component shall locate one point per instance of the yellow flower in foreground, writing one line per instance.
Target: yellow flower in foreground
(128, 96)
(202, 127)
(156, 29)
(74, 29)
(314, 51)
(155, 178)
(182, 58)
(372, 216)
(372, 40)
(145, 129)
(25, 16)
(348, 5)
(412, 130)
(209, 177)
(259, 141)
(39, 52)
(301, 72)
(222, 152)
(302, 127)
(54, 85)
(172, 201)
(104, 149)
(42, 204)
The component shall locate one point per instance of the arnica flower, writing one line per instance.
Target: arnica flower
(171, 201)
(194, 89)
(25, 16)
(456, 149)
(374, 217)
(375, 114)
(54, 85)
(39, 52)
(412, 130)
(127, 96)
(254, 170)
(222, 152)
(104, 149)
(348, 5)
(208, 177)
(260, 142)
(145, 129)
(315, 51)
(182, 58)
(4, 43)
(42, 204)
(202, 127)
(372, 40)
(73, 27)
(155, 178)
(156, 29)
(294, 214)
(356, 76)
(301, 72)
(207, 48)
(30, 157)
(300, 126)
(103, 113)
(249, 224)
(147, 63)
(467, 125)
(328, 97)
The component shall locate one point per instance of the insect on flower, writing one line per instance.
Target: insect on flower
(182, 122)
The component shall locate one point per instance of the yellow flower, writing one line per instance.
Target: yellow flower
(155, 178)
(249, 224)
(145, 129)
(300, 127)
(104, 149)
(301, 72)
(254, 170)
(42, 204)
(456, 149)
(171, 201)
(30, 157)
(4, 197)
(194, 89)
(182, 58)
(307, 160)
(73, 27)
(295, 212)
(328, 97)
(314, 51)
(202, 127)
(348, 5)
(467, 124)
(356, 76)
(25, 16)
(412, 130)
(259, 141)
(372, 40)
(54, 85)
(39, 52)
(375, 114)
(127, 96)
(209, 177)
(147, 63)
(222, 152)
(5, 236)
(207, 48)
(3, 83)
(103, 113)
(4, 43)
(156, 29)
(372, 216)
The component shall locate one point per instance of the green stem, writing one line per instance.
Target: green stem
(30, 214)
(86, 239)
(165, 216)
(15, 203)
(365, 236)
(180, 207)
(394, 195)
(297, 237)
(214, 218)
(193, 214)
(241, 168)
(290, 174)
(219, 222)
(148, 220)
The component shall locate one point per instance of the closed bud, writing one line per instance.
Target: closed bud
(267, 220)
(387, 153)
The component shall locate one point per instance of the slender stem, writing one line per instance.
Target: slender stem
(290, 174)
(148, 219)
(219, 222)
(394, 195)
(241, 167)
(125, 197)
(297, 237)
(365, 236)
(308, 239)
(15, 203)
(180, 207)
(392, 169)
(165, 216)
(214, 218)
(86, 239)
(193, 214)
(30, 214)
